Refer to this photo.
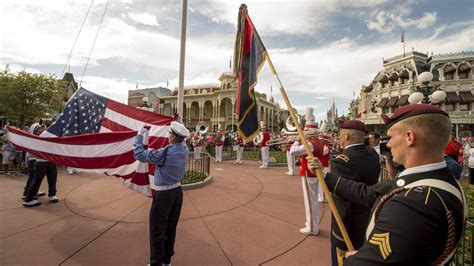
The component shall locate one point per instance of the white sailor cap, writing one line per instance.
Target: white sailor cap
(33, 127)
(179, 129)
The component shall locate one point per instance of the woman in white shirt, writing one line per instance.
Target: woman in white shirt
(469, 158)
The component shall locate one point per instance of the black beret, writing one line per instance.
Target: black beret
(409, 111)
(353, 124)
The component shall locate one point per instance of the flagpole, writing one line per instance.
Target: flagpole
(319, 173)
(182, 53)
(403, 41)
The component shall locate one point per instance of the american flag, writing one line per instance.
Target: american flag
(96, 134)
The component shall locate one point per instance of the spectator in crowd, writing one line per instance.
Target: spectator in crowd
(469, 155)
(8, 151)
(374, 142)
(453, 148)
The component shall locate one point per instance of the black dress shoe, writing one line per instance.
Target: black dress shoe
(24, 197)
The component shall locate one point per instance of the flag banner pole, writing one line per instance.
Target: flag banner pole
(319, 173)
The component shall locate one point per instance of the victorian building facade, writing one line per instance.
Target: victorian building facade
(214, 105)
(392, 86)
(149, 98)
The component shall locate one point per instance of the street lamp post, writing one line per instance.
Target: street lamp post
(425, 92)
(145, 105)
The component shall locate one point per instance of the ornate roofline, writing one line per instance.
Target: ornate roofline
(406, 56)
(457, 55)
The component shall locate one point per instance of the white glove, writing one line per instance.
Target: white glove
(143, 129)
(314, 164)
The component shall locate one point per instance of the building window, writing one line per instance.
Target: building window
(449, 72)
(463, 71)
(449, 107)
(449, 76)
(463, 75)
(464, 107)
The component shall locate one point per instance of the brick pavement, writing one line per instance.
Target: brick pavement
(246, 216)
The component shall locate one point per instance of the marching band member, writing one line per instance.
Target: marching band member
(239, 141)
(197, 142)
(325, 140)
(309, 181)
(264, 145)
(219, 142)
(290, 158)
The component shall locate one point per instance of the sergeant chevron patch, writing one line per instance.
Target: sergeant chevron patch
(383, 242)
(343, 157)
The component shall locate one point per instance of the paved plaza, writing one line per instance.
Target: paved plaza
(245, 216)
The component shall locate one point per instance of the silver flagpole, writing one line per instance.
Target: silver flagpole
(184, 15)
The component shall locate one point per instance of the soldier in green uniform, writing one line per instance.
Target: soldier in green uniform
(358, 163)
(418, 218)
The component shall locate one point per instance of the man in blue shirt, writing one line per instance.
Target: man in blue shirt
(166, 207)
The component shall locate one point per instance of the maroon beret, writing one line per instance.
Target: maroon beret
(353, 124)
(409, 111)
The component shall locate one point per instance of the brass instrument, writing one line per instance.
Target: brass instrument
(289, 134)
(202, 128)
(257, 139)
(278, 141)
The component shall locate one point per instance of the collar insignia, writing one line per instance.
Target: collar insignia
(400, 182)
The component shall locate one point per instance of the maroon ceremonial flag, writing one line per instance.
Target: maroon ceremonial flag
(249, 58)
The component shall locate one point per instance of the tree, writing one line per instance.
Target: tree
(25, 96)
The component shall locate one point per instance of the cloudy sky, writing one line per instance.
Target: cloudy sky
(323, 50)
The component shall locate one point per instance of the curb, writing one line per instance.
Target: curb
(200, 184)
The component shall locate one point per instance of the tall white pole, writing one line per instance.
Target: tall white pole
(184, 15)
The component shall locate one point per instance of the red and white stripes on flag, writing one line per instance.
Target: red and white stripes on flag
(109, 150)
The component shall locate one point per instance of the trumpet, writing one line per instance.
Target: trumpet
(278, 141)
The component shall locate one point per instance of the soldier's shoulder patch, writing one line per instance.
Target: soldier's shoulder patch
(382, 241)
(343, 157)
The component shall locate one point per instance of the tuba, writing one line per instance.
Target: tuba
(290, 129)
(201, 128)
(257, 139)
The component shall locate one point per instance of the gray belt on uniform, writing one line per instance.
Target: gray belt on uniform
(167, 187)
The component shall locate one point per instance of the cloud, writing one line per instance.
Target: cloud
(341, 67)
(115, 89)
(428, 19)
(384, 21)
(145, 19)
(381, 23)
(131, 40)
(298, 17)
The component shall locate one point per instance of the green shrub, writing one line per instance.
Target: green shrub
(280, 157)
(192, 177)
(466, 252)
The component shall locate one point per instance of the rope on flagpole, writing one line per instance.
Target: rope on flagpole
(319, 173)
(72, 50)
(93, 43)
(77, 37)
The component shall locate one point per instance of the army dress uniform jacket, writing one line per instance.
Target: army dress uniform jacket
(358, 163)
(411, 226)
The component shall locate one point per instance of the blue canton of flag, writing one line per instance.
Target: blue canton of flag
(82, 114)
